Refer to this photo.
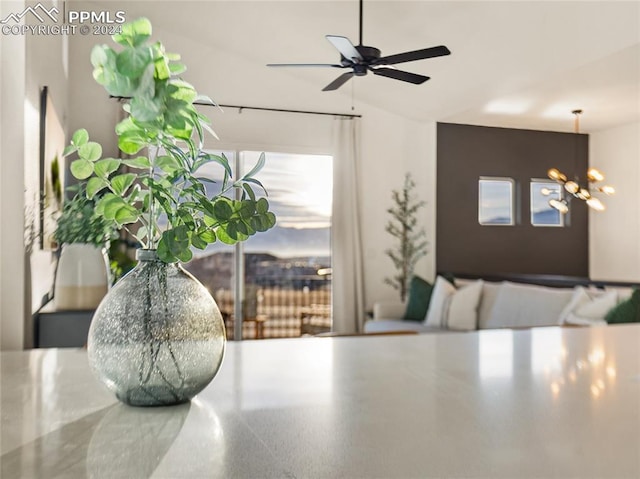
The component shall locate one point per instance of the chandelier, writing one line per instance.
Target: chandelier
(574, 188)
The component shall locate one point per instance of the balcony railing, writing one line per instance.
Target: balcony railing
(280, 307)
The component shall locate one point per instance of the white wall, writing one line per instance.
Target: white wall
(28, 63)
(12, 113)
(614, 234)
(392, 146)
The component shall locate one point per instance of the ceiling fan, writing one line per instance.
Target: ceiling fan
(362, 59)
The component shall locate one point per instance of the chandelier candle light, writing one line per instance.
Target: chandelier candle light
(574, 188)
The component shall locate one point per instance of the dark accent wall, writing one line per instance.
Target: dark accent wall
(465, 153)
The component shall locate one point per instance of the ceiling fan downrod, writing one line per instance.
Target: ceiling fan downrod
(361, 2)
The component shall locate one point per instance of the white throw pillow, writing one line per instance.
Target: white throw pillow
(487, 300)
(452, 308)
(442, 289)
(580, 297)
(593, 311)
(463, 307)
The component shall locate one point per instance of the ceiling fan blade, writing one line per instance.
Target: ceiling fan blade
(338, 82)
(400, 75)
(414, 55)
(345, 47)
(305, 65)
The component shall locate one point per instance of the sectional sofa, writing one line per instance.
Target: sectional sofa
(467, 303)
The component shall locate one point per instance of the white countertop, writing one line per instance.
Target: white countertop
(547, 402)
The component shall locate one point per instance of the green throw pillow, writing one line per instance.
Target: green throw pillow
(626, 312)
(419, 297)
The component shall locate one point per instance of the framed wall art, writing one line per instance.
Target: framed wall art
(52, 143)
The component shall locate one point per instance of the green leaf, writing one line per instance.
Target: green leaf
(177, 240)
(94, 185)
(69, 149)
(100, 204)
(127, 214)
(147, 86)
(90, 151)
(168, 163)
(134, 33)
(260, 223)
(209, 220)
(110, 205)
(81, 169)
(142, 232)
(104, 168)
(174, 119)
(249, 192)
(131, 143)
(198, 242)
(258, 166)
(224, 237)
(222, 210)
(185, 256)
(80, 137)
(177, 68)
(163, 252)
(241, 228)
(208, 236)
(245, 208)
(162, 69)
(128, 126)
(186, 217)
(132, 62)
(255, 182)
(209, 129)
(181, 90)
(121, 183)
(262, 206)
(220, 159)
(141, 163)
(146, 108)
(271, 219)
(100, 55)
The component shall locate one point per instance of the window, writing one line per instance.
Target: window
(284, 279)
(496, 201)
(542, 213)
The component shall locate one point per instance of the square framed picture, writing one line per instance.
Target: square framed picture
(542, 213)
(496, 201)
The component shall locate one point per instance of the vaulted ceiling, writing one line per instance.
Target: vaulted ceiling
(513, 63)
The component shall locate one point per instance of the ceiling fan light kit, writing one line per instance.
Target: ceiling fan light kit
(362, 59)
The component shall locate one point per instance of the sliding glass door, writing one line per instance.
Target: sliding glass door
(279, 282)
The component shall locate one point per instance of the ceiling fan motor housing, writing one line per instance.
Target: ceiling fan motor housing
(359, 66)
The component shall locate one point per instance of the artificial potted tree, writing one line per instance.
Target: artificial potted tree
(410, 240)
(158, 337)
(82, 275)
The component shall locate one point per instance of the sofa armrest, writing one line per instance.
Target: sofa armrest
(389, 310)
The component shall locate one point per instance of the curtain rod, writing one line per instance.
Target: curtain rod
(240, 107)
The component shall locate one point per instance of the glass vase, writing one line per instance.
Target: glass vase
(157, 338)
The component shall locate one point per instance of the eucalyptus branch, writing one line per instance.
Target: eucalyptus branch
(163, 121)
